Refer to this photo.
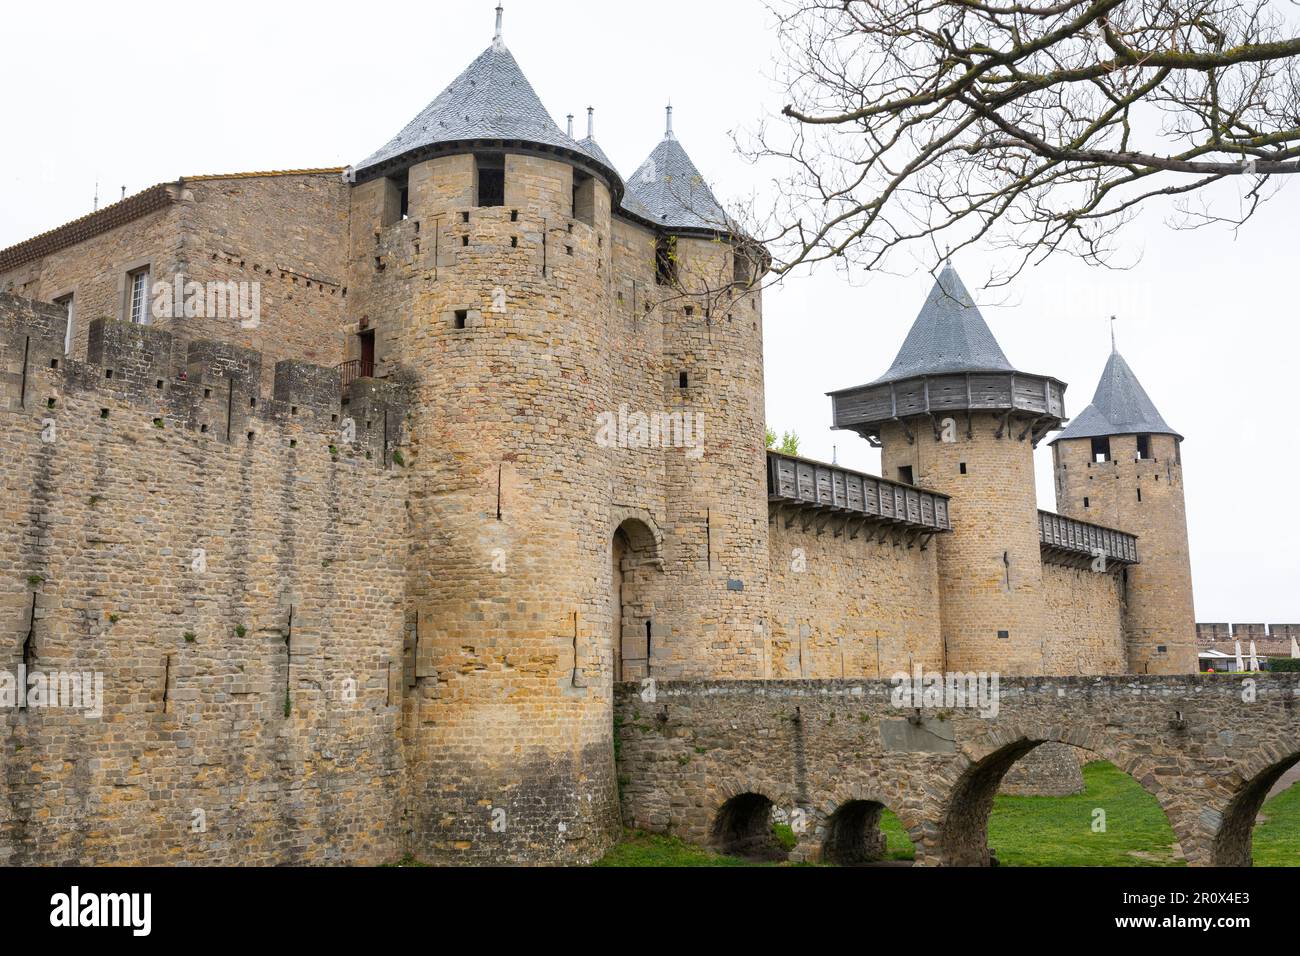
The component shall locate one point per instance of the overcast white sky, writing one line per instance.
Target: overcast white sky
(132, 94)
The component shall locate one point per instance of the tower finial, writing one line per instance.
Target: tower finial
(591, 122)
(668, 133)
(570, 130)
(496, 39)
(1112, 334)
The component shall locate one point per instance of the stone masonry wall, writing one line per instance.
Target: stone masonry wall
(1143, 497)
(94, 271)
(845, 607)
(234, 572)
(1084, 621)
(715, 539)
(288, 234)
(990, 569)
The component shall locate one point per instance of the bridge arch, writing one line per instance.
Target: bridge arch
(850, 834)
(963, 832)
(1234, 839)
(742, 820)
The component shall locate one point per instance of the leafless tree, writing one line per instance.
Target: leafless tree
(1038, 127)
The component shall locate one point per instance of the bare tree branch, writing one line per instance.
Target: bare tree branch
(1037, 127)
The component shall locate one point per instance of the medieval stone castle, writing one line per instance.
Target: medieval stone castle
(360, 568)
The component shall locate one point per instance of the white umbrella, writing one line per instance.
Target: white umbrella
(1254, 657)
(1241, 665)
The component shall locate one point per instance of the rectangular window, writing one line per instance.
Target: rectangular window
(490, 173)
(666, 260)
(905, 474)
(584, 198)
(397, 198)
(1101, 449)
(740, 270)
(1144, 446)
(137, 296)
(66, 302)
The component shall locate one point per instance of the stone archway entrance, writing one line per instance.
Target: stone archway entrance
(636, 575)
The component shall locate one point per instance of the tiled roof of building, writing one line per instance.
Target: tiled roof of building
(590, 146)
(949, 335)
(124, 211)
(260, 174)
(669, 191)
(491, 100)
(1121, 406)
(90, 225)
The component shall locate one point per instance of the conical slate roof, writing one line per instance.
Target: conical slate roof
(491, 100)
(1121, 406)
(669, 191)
(592, 148)
(949, 335)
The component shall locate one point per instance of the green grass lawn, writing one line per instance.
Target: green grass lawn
(1041, 831)
(649, 849)
(1277, 830)
(1058, 831)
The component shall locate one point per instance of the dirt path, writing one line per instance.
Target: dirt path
(1288, 778)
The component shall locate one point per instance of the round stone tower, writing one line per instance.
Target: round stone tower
(953, 415)
(705, 290)
(486, 258)
(1120, 464)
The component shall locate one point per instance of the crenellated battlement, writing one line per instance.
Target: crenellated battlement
(202, 386)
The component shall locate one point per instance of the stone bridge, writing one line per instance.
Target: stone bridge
(708, 761)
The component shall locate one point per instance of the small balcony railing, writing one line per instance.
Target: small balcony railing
(352, 370)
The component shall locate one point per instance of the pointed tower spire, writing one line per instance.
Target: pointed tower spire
(491, 100)
(949, 335)
(670, 191)
(1120, 406)
(951, 363)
